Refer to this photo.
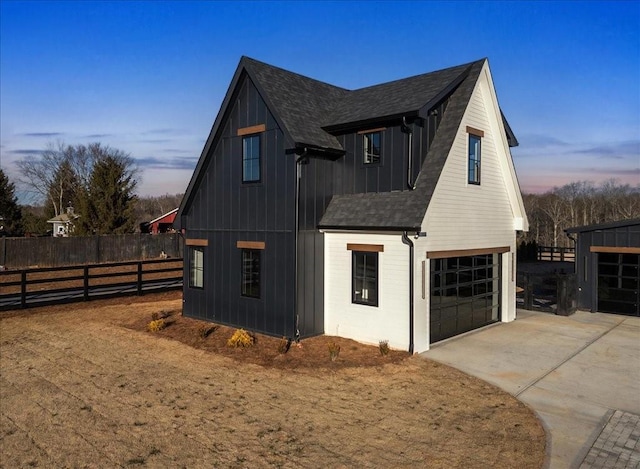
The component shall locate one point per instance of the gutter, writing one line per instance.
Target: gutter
(296, 317)
(408, 242)
(407, 130)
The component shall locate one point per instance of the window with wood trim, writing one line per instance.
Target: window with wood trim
(196, 267)
(474, 159)
(251, 273)
(365, 278)
(372, 147)
(251, 158)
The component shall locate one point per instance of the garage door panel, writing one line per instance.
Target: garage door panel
(472, 294)
(619, 283)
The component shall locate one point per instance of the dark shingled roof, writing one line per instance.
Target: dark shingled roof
(309, 110)
(302, 103)
(393, 98)
(604, 226)
(405, 210)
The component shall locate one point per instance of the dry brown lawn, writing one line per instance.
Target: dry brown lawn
(87, 386)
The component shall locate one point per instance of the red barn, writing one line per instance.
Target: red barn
(163, 223)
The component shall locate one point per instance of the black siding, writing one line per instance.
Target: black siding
(587, 261)
(224, 211)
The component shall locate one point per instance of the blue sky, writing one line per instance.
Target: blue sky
(148, 77)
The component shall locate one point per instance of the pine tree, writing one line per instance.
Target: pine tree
(10, 213)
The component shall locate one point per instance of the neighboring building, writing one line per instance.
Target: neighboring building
(63, 224)
(162, 224)
(384, 213)
(608, 266)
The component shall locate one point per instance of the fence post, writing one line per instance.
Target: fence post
(528, 292)
(86, 283)
(23, 288)
(139, 277)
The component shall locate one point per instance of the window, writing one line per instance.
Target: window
(251, 273)
(474, 159)
(251, 158)
(196, 267)
(365, 278)
(372, 147)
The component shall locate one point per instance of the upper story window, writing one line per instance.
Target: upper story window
(372, 147)
(251, 158)
(475, 144)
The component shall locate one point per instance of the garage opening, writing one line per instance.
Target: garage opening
(619, 283)
(465, 294)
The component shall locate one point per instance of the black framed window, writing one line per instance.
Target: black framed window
(251, 158)
(196, 267)
(365, 278)
(372, 147)
(474, 159)
(251, 273)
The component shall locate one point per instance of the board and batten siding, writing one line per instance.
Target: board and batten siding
(484, 214)
(224, 211)
(368, 324)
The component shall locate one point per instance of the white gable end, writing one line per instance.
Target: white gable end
(469, 216)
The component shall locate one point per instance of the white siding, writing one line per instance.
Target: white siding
(467, 216)
(368, 324)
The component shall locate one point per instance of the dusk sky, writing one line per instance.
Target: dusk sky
(148, 77)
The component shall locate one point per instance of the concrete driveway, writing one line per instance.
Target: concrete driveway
(581, 374)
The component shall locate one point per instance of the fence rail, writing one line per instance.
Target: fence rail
(23, 253)
(51, 285)
(558, 254)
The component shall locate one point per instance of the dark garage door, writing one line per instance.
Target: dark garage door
(619, 283)
(465, 294)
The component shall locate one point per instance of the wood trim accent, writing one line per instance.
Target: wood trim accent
(614, 249)
(476, 132)
(467, 252)
(250, 244)
(254, 129)
(365, 247)
(196, 242)
(379, 129)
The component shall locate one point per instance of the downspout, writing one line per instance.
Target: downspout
(296, 317)
(408, 242)
(407, 130)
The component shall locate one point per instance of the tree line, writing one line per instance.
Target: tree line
(96, 182)
(577, 204)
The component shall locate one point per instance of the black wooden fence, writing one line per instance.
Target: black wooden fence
(553, 293)
(555, 253)
(52, 285)
(22, 253)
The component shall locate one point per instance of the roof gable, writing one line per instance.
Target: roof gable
(308, 111)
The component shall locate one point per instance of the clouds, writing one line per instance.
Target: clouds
(167, 163)
(42, 134)
(618, 150)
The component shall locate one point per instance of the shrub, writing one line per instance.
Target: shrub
(383, 345)
(284, 345)
(157, 325)
(205, 330)
(334, 350)
(241, 338)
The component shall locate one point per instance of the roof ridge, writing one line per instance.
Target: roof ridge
(248, 59)
(462, 67)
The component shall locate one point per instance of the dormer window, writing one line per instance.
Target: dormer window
(372, 147)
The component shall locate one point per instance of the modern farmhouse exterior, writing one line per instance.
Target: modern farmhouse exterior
(384, 213)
